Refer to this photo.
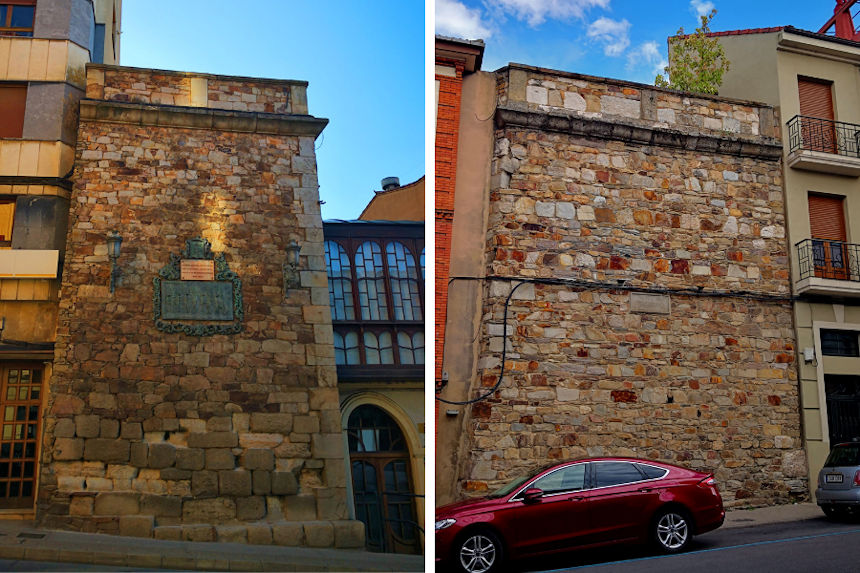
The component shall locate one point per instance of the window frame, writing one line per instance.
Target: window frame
(6, 28)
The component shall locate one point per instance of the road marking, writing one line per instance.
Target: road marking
(802, 538)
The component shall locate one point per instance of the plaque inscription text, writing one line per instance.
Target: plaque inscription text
(196, 300)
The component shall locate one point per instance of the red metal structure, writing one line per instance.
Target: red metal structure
(843, 21)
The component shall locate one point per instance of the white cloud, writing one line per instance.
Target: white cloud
(535, 12)
(647, 54)
(701, 7)
(612, 33)
(454, 19)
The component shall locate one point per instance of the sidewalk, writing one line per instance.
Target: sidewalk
(774, 514)
(20, 540)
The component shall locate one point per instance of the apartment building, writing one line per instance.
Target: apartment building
(44, 48)
(812, 78)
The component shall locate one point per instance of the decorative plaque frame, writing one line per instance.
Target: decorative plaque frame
(213, 307)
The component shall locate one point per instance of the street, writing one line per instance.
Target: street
(803, 546)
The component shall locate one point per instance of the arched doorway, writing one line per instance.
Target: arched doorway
(381, 481)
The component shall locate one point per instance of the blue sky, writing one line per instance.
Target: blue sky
(623, 39)
(364, 62)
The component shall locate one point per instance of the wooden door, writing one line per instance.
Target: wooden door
(20, 421)
(816, 107)
(827, 225)
(382, 482)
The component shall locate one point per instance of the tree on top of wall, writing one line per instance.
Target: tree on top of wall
(696, 62)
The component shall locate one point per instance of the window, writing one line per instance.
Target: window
(346, 348)
(570, 478)
(827, 227)
(7, 216)
(377, 348)
(839, 343)
(339, 282)
(405, 294)
(371, 282)
(816, 109)
(615, 473)
(652, 472)
(16, 18)
(13, 99)
(411, 347)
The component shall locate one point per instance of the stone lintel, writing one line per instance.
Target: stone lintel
(201, 118)
(767, 149)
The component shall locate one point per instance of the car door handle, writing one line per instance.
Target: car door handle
(646, 489)
(574, 498)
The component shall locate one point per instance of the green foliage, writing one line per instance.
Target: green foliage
(697, 62)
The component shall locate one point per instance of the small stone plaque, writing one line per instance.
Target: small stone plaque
(650, 303)
(196, 270)
(184, 300)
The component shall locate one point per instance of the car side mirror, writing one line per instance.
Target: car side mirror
(532, 495)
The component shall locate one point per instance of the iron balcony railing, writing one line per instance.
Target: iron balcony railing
(824, 135)
(829, 259)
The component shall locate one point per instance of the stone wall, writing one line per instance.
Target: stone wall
(588, 96)
(141, 85)
(655, 318)
(229, 437)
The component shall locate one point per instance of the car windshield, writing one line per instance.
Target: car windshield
(517, 482)
(848, 455)
(509, 487)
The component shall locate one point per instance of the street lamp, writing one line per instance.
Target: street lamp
(114, 242)
(291, 266)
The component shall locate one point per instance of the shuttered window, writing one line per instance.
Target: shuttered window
(826, 219)
(815, 98)
(13, 98)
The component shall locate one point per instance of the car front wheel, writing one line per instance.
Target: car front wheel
(479, 552)
(671, 530)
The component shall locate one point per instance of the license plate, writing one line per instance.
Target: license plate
(833, 478)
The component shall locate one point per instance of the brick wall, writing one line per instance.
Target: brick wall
(655, 319)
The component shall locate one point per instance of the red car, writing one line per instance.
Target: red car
(578, 504)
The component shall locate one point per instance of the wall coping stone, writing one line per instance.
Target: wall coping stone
(132, 69)
(200, 118)
(515, 114)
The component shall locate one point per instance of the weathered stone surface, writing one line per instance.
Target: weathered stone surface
(250, 508)
(65, 428)
(259, 534)
(190, 459)
(288, 534)
(68, 449)
(262, 482)
(217, 510)
(213, 440)
(300, 508)
(284, 483)
(136, 525)
(103, 450)
(271, 423)
(161, 455)
(220, 459)
(161, 505)
(116, 504)
(231, 533)
(592, 370)
(258, 459)
(234, 483)
(319, 533)
(348, 534)
(204, 484)
(87, 426)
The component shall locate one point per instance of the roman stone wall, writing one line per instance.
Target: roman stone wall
(653, 315)
(228, 437)
(588, 96)
(140, 85)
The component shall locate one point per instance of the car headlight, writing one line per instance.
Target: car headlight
(443, 523)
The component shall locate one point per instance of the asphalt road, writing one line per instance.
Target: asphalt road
(21, 565)
(801, 547)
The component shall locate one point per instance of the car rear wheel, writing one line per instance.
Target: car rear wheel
(479, 552)
(671, 530)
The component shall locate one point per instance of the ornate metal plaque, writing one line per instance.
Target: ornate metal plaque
(197, 307)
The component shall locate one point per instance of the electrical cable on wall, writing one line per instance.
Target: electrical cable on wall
(587, 284)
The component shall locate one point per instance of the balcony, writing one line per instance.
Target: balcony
(824, 145)
(828, 268)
